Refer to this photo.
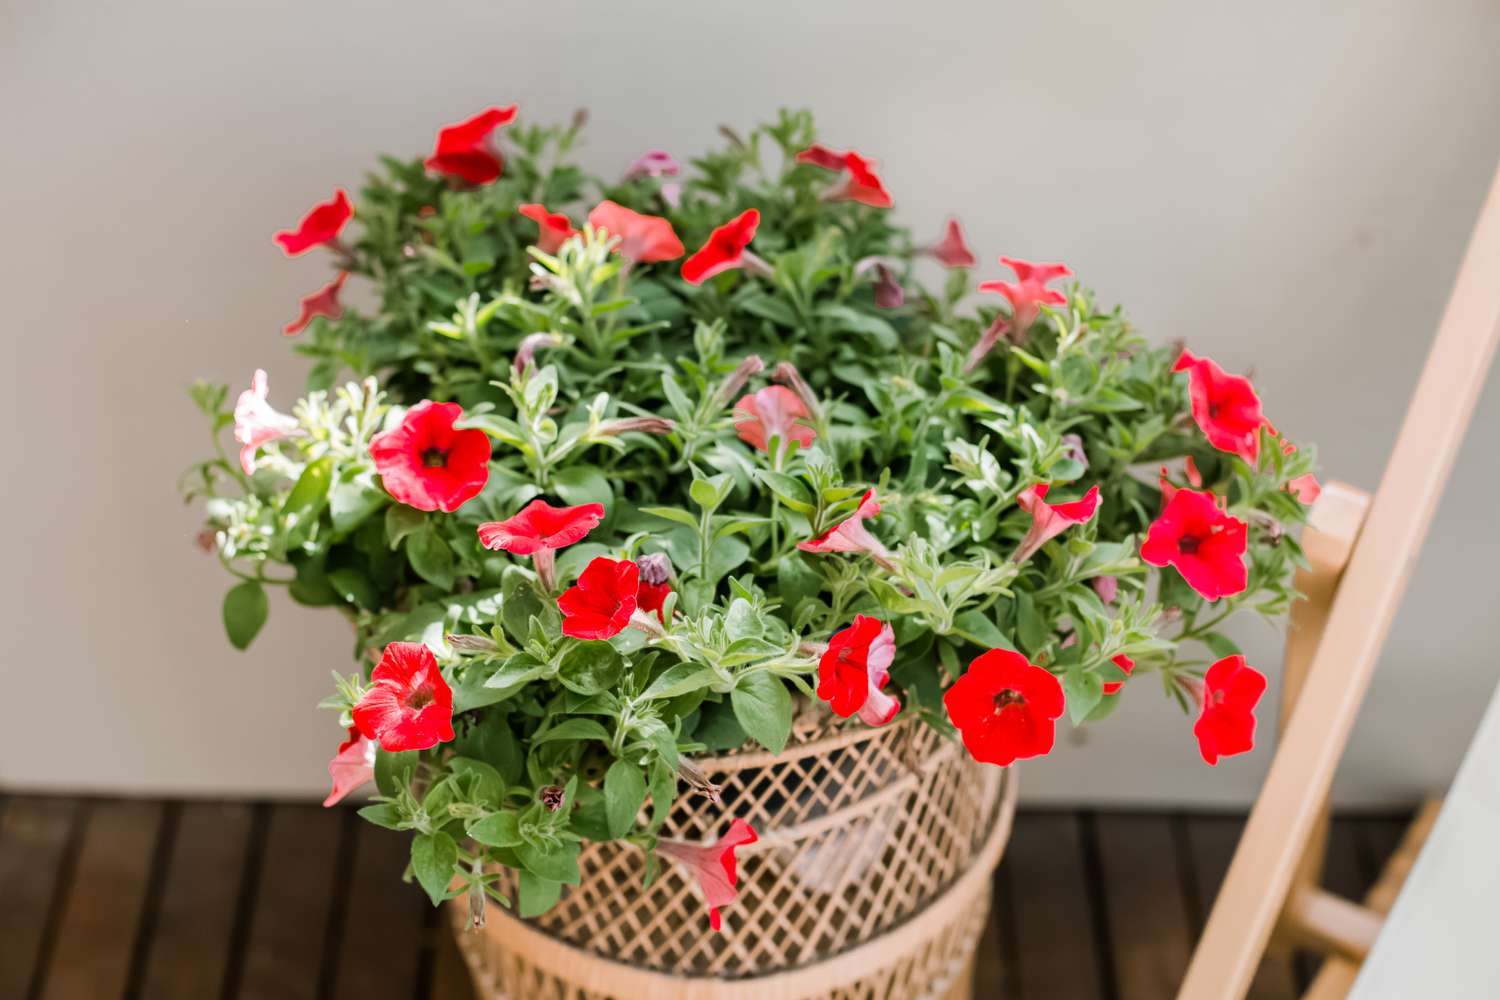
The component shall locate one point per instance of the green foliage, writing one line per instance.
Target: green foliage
(558, 739)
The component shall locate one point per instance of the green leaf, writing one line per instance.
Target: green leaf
(393, 771)
(573, 729)
(400, 521)
(763, 706)
(725, 556)
(718, 729)
(789, 491)
(431, 557)
(672, 514)
(590, 667)
(1030, 628)
(382, 814)
(624, 794)
(580, 484)
(977, 627)
(1221, 645)
(354, 587)
(245, 611)
(354, 498)
(433, 856)
(300, 509)
(535, 895)
(518, 602)
(557, 865)
(499, 829)
(1083, 689)
(678, 679)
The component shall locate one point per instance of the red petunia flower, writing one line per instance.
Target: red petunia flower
(1225, 407)
(644, 239)
(1126, 664)
(1029, 292)
(256, 422)
(952, 250)
(321, 225)
(539, 530)
(323, 302)
(1050, 520)
(426, 464)
(1305, 488)
(851, 535)
(820, 155)
(1227, 725)
(860, 181)
(463, 149)
(727, 248)
(409, 706)
(713, 866)
(600, 604)
(553, 228)
(1005, 707)
(1205, 544)
(351, 767)
(854, 669)
(771, 412)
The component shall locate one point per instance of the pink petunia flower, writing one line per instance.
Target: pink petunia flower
(774, 411)
(952, 250)
(851, 535)
(1050, 520)
(644, 239)
(656, 164)
(714, 866)
(855, 668)
(352, 767)
(256, 423)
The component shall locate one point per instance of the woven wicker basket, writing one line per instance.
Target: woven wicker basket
(870, 880)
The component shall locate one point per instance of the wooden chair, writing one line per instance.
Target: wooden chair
(1360, 552)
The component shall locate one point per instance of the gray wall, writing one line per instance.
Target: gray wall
(1286, 186)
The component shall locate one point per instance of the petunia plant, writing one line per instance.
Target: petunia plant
(617, 471)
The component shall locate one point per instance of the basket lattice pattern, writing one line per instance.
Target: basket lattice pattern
(860, 830)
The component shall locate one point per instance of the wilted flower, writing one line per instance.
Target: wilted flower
(530, 344)
(323, 302)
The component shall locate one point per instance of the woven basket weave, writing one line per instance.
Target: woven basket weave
(870, 880)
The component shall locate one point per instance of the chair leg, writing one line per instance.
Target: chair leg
(1336, 978)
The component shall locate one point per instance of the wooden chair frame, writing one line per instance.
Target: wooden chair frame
(1361, 553)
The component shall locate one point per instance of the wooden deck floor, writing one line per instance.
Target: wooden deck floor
(106, 898)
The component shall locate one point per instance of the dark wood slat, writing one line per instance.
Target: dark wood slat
(1377, 838)
(190, 942)
(1150, 936)
(293, 897)
(1211, 844)
(1049, 897)
(450, 976)
(96, 935)
(34, 838)
(994, 958)
(378, 956)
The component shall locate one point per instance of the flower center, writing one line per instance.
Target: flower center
(434, 458)
(1188, 544)
(1005, 699)
(420, 698)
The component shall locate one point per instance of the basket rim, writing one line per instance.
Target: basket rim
(611, 977)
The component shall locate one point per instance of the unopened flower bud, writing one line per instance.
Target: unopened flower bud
(639, 425)
(1106, 587)
(735, 381)
(655, 568)
(551, 797)
(1073, 449)
(692, 775)
(530, 344)
(787, 374)
(580, 118)
(472, 643)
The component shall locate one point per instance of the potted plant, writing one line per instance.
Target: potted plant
(708, 572)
